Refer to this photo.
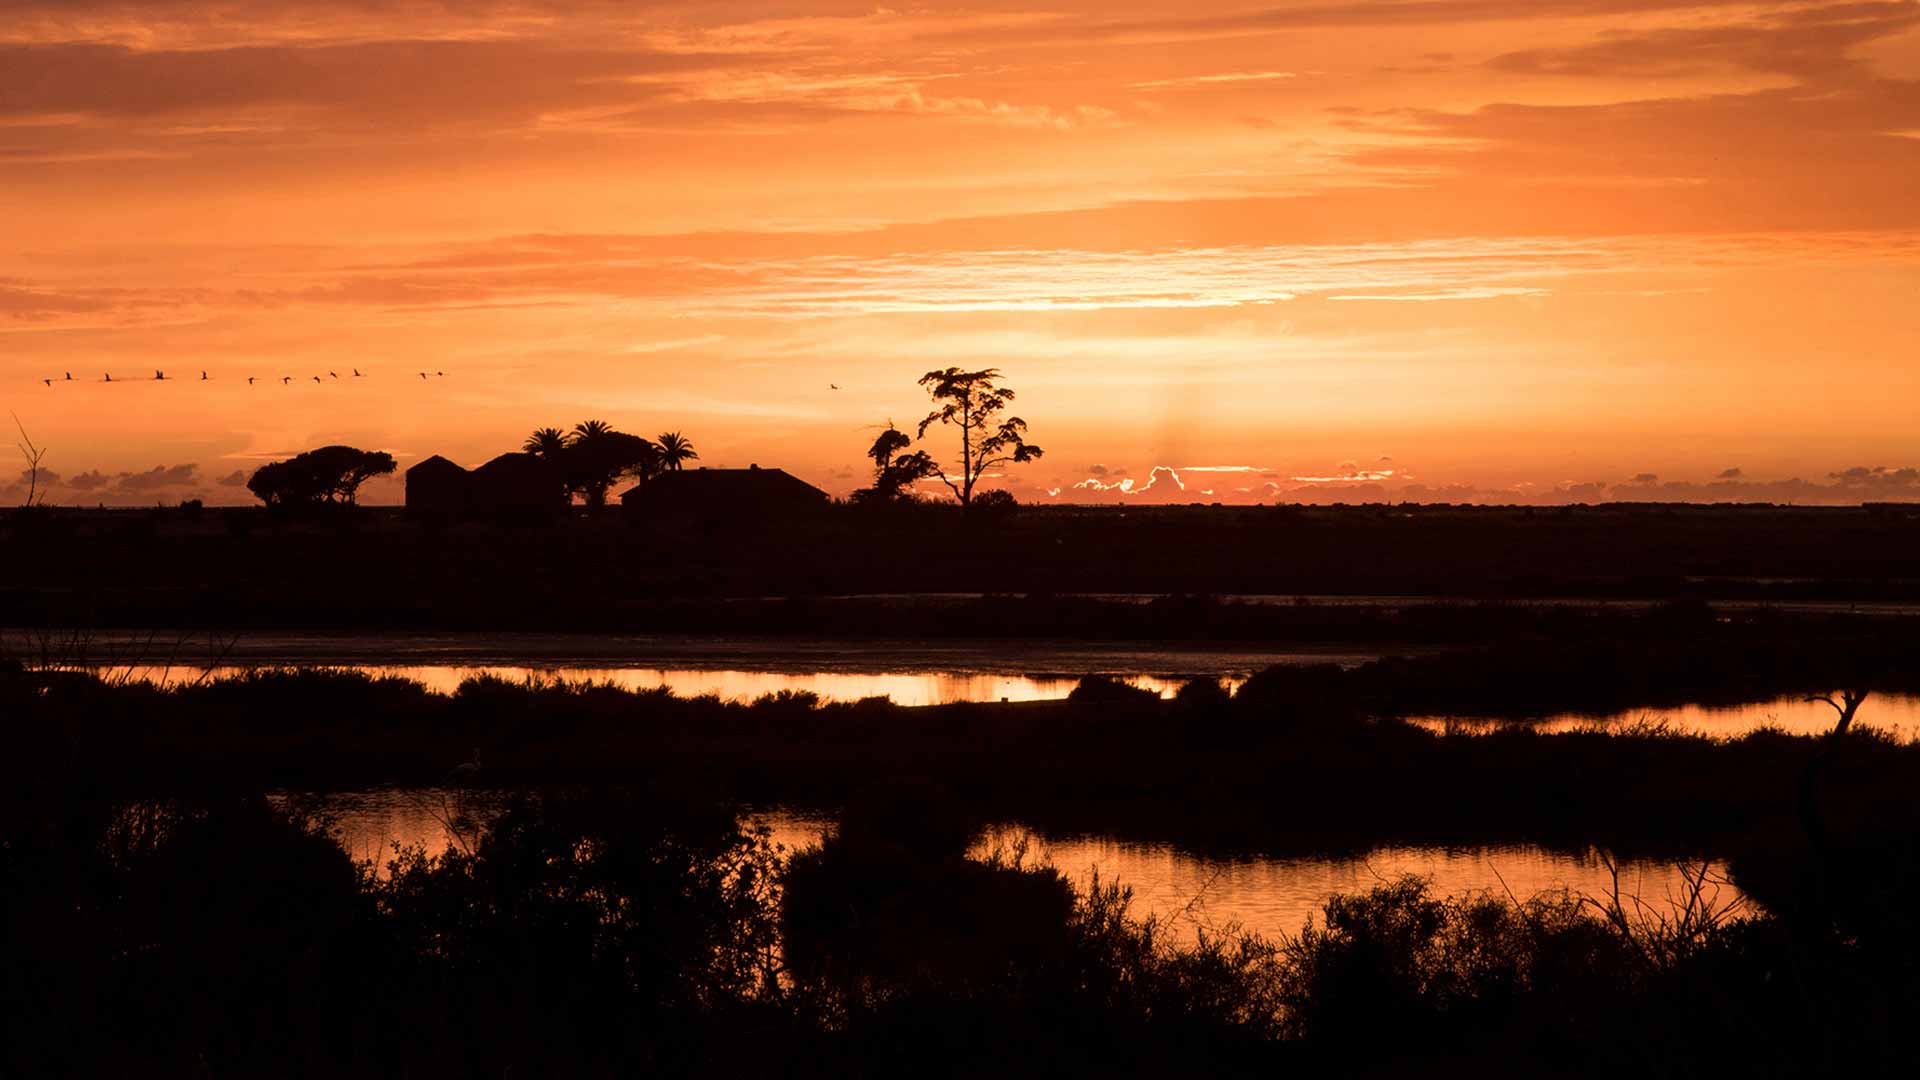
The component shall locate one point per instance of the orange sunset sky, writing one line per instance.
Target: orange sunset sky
(1494, 250)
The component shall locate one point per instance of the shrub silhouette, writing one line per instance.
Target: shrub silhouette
(1107, 690)
(1203, 692)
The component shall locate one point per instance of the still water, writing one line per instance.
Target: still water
(910, 672)
(1897, 715)
(902, 687)
(1269, 896)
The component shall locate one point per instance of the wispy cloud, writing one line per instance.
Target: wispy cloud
(592, 271)
(1185, 81)
(644, 347)
(1482, 293)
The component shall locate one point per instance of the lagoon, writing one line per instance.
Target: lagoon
(1272, 896)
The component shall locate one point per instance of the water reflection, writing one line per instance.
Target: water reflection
(1897, 715)
(1265, 895)
(904, 688)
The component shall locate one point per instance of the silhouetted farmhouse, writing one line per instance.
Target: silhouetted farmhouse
(517, 483)
(723, 495)
(438, 487)
(511, 485)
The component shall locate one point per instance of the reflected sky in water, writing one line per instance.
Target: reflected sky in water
(904, 688)
(909, 671)
(1265, 895)
(1896, 714)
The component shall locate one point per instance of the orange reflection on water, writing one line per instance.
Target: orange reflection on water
(903, 688)
(1897, 715)
(1271, 897)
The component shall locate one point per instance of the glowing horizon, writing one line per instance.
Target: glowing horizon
(1452, 250)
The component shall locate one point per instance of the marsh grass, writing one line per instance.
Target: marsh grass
(1254, 769)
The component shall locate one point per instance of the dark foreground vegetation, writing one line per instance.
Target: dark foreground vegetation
(368, 568)
(616, 919)
(623, 932)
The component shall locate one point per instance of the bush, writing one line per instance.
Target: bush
(1202, 692)
(1106, 690)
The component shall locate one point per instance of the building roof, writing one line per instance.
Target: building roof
(436, 464)
(712, 487)
(517, 463)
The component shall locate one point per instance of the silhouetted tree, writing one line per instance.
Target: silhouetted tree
(970, 401)
(546, 442)
(330, 474)
(889, 443)
(642, 457)
(597, 455)
(591, 429)
(1845, 704)
(997, 500)
(675, 448)
(894, 472)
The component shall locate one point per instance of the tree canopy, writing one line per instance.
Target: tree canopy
(330, 474)
(676, 449)
(594, 455)
(971, 402)
(894, 470)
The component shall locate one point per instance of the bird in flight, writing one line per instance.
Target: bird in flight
(249, 380)
(109, 376)
(285, 379)
(69, 376)
(159, 376)
(833, 386)
(332, 375)
(316, 378)
(423, 374)
(49, 382)
(356, 373)
(203, 376)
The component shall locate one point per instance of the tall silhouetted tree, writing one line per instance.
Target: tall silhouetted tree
(895, 472)
(330, 474)
(676, 448)
(970, 401)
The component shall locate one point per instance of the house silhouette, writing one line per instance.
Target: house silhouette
(438, 487)
(513, 485)
(722, 495)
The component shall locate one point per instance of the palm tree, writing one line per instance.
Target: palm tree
(591, 430)
(647, 460)
(547, 442)
(600, 454)
(674, 449)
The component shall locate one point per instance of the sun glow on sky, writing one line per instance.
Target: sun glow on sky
(1495, 250)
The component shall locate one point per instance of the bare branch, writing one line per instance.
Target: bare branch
(34, 455)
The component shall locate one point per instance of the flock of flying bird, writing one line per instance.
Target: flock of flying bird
(161, 376)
